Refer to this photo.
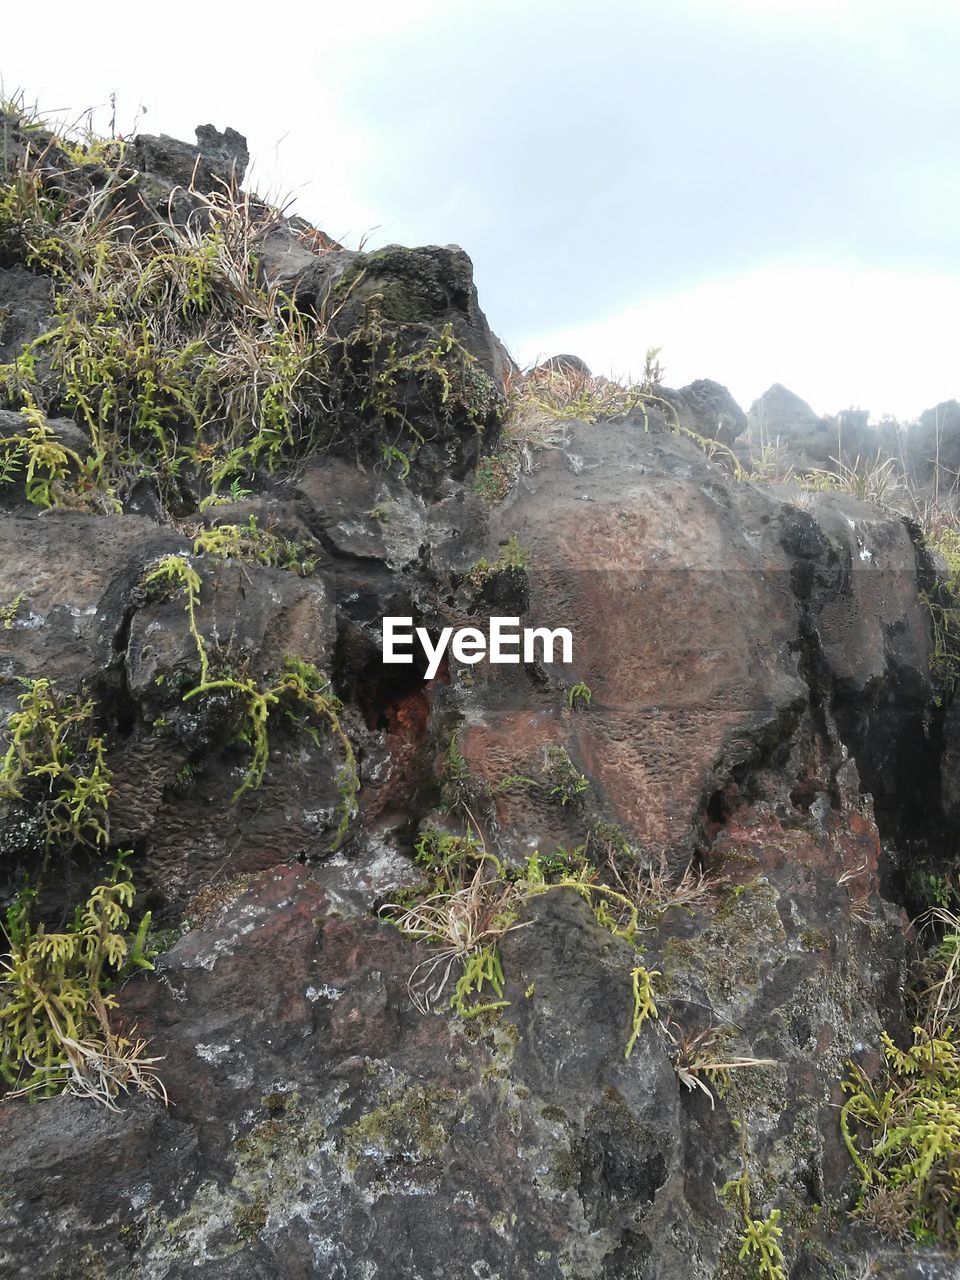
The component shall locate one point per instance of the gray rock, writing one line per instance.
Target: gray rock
(217, 160)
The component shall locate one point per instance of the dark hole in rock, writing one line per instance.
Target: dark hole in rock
(392, 698)
(803, 795)
(716, 809)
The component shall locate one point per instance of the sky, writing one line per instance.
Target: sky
(767, 190)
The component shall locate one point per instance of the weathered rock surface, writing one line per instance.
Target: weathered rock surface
(217, 160)
(709, 409)
(747, 657)
(715, 622)
(25, 305)
(750, 696)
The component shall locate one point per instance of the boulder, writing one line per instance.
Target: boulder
(218, 160)
(708, 409)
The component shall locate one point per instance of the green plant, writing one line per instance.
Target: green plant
(493, 477)
(761, 1242)
(579, 695)
(438, 372)
(55, 1031)
(299, 689)
(8, 612)
(444, 856)
(541, 399)
(512, 558)
(464, 920)
(943, 602)
(173, 575)
(761, 1237)
(876, 481)
(259, 546)
(55, 761)
(305, 695)
(480, 967)
(652, 378)
(51, 470)
(165, 345)
(236, 493)
(567, 783)
(454, 776)
(903, 1134)
(644, 1006)
(390, 454)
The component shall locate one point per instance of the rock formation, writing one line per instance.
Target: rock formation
(698, 846)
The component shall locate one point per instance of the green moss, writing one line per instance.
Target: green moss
(567, 783)
(409, 1125)
(902, 1131)
(299, 691)
(250, 1219)
(730, 902)
(815, 940)
(56, 999)
(565, 1171)
(493, 478)
(513, 559)
(258, 546)
(53, 475)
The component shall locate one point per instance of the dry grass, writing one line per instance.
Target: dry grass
(459, 922)
(878, 480)
(100, 1066)
(540, 401)
(699, 1062)
(940, 973)
(653, 888)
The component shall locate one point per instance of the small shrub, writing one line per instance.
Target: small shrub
(579, 695)
(700, 1063)
(903, 1134)
(55, 1002)
(464, 921)
(493, 477)
(567, 783)
(55, 761)
(259, 546)
(51, 472)
(512, 558)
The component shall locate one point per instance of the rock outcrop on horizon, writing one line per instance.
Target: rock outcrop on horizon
(924, 456)
(727, 806)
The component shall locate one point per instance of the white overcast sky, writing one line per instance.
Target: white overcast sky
(767, 189)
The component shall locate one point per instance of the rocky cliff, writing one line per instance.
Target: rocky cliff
(319, 967)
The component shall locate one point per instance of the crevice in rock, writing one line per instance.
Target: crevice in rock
(894, 734)
(115, 689)
(737, 778)
(392, 698)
